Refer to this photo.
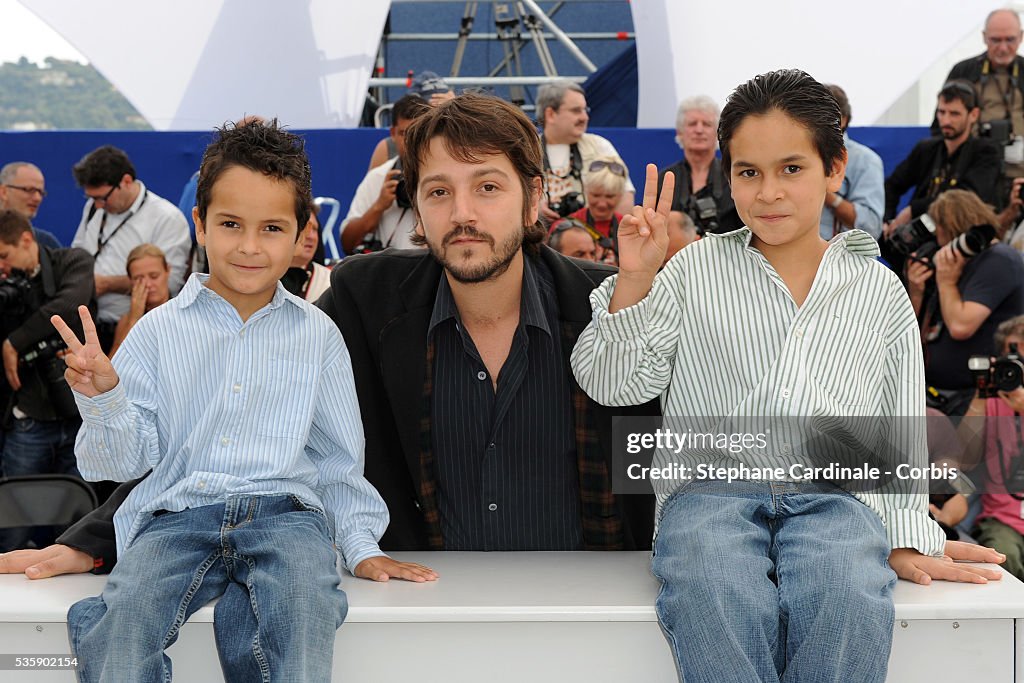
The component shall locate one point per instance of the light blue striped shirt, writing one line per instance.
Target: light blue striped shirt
(719, 334)
(218, 407)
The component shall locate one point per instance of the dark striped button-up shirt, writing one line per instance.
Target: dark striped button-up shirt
(505, 460)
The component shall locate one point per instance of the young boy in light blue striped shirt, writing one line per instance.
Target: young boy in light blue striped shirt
(240, 399)
(782, 579)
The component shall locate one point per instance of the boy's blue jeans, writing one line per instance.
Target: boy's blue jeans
(271, 562)
(773, 582)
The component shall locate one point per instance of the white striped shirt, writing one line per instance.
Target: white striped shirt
(719, 334)
(218, 407)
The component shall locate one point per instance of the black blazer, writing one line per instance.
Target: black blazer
(382, 303)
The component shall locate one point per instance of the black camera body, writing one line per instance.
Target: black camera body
(993, 375)
(570, 203)
(401, 190)
(999, 131)
(704, 212)
(919, 236)
(14, 295)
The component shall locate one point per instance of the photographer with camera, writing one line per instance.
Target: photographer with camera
(380, 215)
(569, 149)
(991, 434)
(963, 283)
(953, 159)
(40, 419)
(997, 76)
(702, 188)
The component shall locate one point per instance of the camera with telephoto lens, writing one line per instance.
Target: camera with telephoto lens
(47, 359)
(919, 232)
(993, 375)
(401, 190)
(570, 203)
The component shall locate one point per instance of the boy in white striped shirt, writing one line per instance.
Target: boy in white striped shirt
(770, 580)
(240, 398)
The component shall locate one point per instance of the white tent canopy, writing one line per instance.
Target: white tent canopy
(196, 63)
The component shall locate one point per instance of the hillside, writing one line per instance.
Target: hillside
(62, 95)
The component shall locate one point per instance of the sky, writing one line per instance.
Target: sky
(22, 34)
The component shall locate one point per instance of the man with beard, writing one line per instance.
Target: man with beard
(477, 435)
(953, 160)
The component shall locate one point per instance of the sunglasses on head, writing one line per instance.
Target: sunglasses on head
(613, 166)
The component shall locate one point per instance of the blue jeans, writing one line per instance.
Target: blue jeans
(271, 562)
(773, 582)
(35, 447)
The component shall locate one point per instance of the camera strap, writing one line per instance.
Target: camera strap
(575, 168)
(100, 240)
(1012, 84)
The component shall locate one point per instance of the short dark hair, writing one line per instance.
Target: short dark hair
(408, 107)
(795, 94)
(103, 166)
(844, 102)
(472, 125)
(263, 147)
(12, 226)
(959, 91)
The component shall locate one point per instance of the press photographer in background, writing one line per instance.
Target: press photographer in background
(702, 187)
(40, 419)
(963, 283)
(992, 435)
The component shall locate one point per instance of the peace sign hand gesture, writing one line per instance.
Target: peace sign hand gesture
(643, 240)
(89, 370)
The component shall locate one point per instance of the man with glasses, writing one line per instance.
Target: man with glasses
(23, 189)
(121, 213)
(953, 159)
(997, 77)
(562, 114)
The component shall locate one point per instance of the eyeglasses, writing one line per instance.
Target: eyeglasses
(28, 190)
(576, 111)
(104, 198)
(613, 166)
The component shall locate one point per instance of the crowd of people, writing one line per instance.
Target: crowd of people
(456, 390)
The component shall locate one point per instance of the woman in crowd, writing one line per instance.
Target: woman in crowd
(148, 270)
(604, 182)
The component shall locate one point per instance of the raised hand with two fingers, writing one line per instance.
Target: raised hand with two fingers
(643, 241)
(89, 372)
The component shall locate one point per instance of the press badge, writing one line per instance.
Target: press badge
(1013, 153)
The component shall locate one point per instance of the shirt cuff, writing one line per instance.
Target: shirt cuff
(908, 528)
(626, 325)
(358, 547)
(99, 409)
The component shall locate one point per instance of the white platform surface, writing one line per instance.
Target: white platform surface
(537, 617)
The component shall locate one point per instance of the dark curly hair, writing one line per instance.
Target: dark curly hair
(105, 165)
(263, 147)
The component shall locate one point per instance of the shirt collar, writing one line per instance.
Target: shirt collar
(531, 308)
(196, 287)
(855, 241)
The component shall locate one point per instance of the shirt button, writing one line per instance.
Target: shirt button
(225, 441)
(786, 449)
(94, 411)
(242, 333)
(785, 393)
(490, 446)
(201, 485)
(237, 388)
(481, 375)
(799, 332)
(492, 507)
